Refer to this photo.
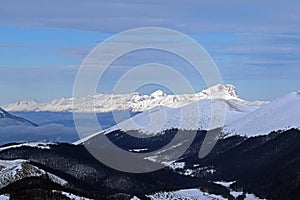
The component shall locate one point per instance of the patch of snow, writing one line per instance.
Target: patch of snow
(4, 197)
(251, 197)
(71, 196)
(163, 158)
(177, 165)
(236, 194)
(211, 171)
(180, 169)
(74, 197)
(189, 172)
(40, 145)
(138, 150)
(135, 198)
(224, 183)
(56, 179)
(187, 194)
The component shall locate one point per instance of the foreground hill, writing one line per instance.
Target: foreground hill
(238, 167)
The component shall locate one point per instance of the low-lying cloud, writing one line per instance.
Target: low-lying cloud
(50, 132)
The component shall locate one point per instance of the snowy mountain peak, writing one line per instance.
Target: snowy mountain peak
(158, 94)
(25, 104)
(227, 91)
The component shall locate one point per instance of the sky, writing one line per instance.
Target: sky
(255, 44)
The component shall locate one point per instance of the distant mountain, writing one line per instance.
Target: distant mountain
(281, 114)
(134, 101)
(7, 119)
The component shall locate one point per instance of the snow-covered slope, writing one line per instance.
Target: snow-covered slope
(14, 170)
(134, 101)
(280, 114)
(163, 118)
(7, 119)
(197, 116)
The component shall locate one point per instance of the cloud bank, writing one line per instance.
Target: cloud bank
(50, 132)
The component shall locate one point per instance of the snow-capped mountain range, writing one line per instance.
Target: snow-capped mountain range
(160, 112)
(7, 119)
(136, 102)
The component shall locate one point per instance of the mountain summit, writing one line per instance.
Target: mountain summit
(220, 91)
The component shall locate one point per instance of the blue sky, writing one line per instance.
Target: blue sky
(256, 45)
